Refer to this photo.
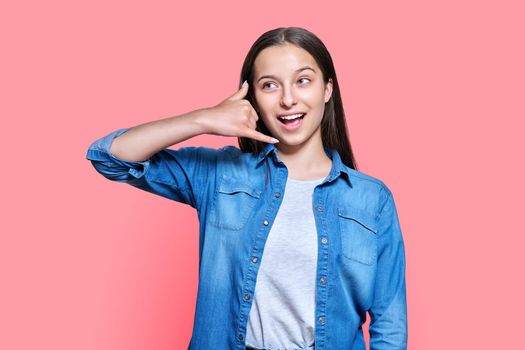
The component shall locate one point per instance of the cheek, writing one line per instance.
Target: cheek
(264, 101)
(310, 96)
(265, 107)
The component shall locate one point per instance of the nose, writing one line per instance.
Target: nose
(288, 98)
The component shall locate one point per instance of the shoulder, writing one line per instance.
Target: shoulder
(236, 156)
(372, 188)
(368, 181)
(203, 151)
(232, 151)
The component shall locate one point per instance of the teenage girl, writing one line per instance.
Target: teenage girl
(295, 244)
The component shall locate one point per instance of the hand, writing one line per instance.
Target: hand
(235, 116)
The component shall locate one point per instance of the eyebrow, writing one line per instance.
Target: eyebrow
(297, 71)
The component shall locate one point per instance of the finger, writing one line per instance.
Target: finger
(256, 135)
(254, 113)
(241, 93)
(253, 123)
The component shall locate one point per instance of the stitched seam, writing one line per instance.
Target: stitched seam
(384, 204)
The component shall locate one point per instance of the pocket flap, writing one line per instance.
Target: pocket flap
(360, 216)
(231, 185)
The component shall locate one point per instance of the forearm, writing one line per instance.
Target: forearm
(388, 327)
(139, 143)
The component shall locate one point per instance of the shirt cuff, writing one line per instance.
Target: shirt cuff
(99, 152)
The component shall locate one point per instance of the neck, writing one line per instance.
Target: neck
(308, 160)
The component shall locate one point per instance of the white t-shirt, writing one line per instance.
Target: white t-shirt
(282, 315)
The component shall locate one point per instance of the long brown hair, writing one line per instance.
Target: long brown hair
(333, 125)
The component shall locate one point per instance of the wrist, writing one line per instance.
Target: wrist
(201, 118)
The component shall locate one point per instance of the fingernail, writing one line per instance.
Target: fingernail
(275, 140)
(244, 83)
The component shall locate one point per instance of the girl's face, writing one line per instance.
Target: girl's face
(287, 80)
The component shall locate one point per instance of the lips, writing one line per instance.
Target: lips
(291, 124)
(288, 117)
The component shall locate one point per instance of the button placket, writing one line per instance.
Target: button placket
(321, 223)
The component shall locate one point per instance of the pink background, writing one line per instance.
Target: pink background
(434, 95)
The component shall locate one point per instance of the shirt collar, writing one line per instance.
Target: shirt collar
(338, 167)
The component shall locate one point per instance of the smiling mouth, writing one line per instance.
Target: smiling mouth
(291, 119)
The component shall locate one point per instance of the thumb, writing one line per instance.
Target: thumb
(241, 93)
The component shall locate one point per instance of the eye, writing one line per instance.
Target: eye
(305, 79)
(264, 85)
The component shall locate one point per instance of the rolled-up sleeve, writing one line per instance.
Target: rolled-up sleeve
(180, 175)
(388, 314)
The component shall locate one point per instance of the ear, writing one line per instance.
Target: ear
(328, 90)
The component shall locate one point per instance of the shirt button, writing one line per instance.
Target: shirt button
(277, 194)
(321, 320)
(240, 337)
(324, 240)
(246, 297)
(319, 208)
(254, 259)
(322, 280)
(265, 222)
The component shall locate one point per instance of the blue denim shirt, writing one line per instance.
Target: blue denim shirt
(361, 257)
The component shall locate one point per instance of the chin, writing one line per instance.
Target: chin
(292, 140)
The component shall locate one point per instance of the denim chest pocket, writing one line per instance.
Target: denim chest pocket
(358, 235)
(233, 203)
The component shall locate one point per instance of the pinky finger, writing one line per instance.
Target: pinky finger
(254, 134)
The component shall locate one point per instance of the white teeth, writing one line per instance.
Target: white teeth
(289, 117)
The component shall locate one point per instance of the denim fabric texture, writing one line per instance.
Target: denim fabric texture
(361, 254)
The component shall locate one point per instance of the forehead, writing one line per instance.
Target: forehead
(283, 60)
